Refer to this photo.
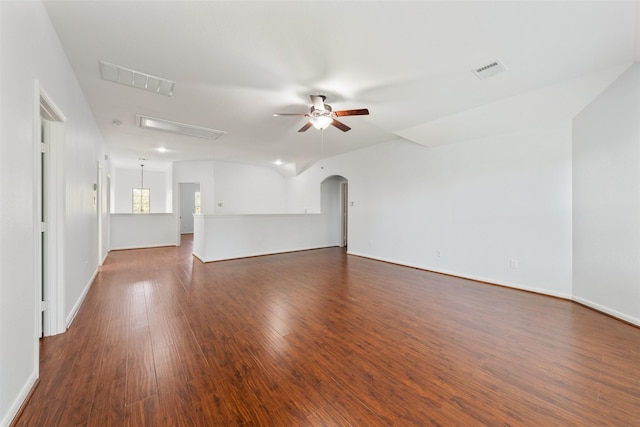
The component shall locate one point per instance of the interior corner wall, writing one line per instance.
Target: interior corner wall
(496, 209)
(606, 198)
(30, 51)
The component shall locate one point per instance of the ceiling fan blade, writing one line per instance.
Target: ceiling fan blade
(359, 112)
(305, 127)
(288, 114)
(318, 101)
(340, 125)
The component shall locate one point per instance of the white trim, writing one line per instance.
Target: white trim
(199, 257)
(83, 295)
(261, 253)
(55, 212)
(161, 245)
(176, 210)
(607, 310)
(99, 207)
(614, 313)
(637, 47)
(37, 244)
(20, 399)
(518, 286)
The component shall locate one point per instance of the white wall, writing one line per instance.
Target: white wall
(219, 237)
(247, 189)
(132, 231)
(240, 188)
(30, 51)
(606, 194)
(127, 179)
(481, 203)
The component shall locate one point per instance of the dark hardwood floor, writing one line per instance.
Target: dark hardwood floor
(320, 338)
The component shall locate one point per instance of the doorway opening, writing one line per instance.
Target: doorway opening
(189, 205)
(335, 203)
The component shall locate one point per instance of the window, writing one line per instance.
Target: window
(141, 200)
(197, 194)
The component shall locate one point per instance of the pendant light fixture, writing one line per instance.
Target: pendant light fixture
(141, 195)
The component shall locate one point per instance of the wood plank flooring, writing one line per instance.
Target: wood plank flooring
(320, 338)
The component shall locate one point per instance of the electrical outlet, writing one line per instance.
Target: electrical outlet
(513, 263)
(438, 253)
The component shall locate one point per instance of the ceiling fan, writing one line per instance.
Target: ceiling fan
(321, 115)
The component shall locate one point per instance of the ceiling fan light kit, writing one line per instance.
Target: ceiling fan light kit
(321, 122)
(321, 115)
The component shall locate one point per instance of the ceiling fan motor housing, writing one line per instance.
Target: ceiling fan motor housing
(327, 111)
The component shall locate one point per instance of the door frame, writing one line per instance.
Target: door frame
(344, 212)
(49, 258)
(177, 198)
(181, 186)
(97, 194)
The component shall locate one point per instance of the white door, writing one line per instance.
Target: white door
(45, 136)
(50, 189)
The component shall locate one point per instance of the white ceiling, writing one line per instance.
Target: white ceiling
(409, 62)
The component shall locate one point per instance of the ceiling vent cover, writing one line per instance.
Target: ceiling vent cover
(489, 70)
(128, 77)
(147, 122)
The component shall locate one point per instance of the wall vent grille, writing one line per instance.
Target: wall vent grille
(128, 77)
(489, 70)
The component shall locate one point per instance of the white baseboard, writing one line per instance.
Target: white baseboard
(126, 248)
(20, 399)
(614, 313)
(606, 310)
(491, 281)
(198, 256)
(256, 254)
(80, 300)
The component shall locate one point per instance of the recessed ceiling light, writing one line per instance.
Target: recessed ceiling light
(117, 122)
(179, 128)
(162, 149)
(278, 162)
(128, 77)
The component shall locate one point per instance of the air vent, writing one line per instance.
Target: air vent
(489, 70)
(128, 77)
(146, 122)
